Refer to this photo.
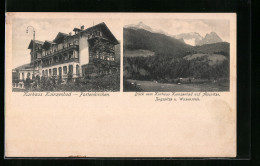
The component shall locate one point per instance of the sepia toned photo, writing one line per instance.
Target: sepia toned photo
(65, 55)
(176, 55)
(88, 85)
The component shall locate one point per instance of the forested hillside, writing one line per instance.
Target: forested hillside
(172, 58)
(159, 43)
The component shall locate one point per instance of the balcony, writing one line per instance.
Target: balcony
(61, 51)
(104, 62)
(61, 62)
(96, 36)
(38, 57)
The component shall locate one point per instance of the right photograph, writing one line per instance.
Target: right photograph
(176, 55)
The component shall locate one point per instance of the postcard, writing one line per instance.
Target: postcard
(120, 85)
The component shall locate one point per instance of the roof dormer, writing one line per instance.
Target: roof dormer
(76, 30)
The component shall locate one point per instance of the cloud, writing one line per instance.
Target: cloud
(177, 26)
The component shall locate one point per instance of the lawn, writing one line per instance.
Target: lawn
(150, 86)
(18, 90)
(102, 83)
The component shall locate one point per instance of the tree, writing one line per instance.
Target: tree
(59, 80)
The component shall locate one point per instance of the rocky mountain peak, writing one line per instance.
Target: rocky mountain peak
(210, 38)
(195, 39)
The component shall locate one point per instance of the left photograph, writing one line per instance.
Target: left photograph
(65, 55)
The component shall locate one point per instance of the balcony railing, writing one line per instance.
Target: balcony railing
(104, 62)
(96, 36)
(61, 62)
(61, 51)
(38, 57)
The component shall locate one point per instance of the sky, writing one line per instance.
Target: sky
(178, 26)
(47, 29)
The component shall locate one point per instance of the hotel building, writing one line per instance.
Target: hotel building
(87, 52)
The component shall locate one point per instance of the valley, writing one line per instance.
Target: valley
(152, 86)
(155, 61)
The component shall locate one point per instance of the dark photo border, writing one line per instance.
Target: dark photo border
(243, 10)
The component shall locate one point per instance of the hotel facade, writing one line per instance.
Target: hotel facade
(87, 52)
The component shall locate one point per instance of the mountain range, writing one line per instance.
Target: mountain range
(140, 39)
(141, 25)
(154, 55)
(192, 38)
(140, 42)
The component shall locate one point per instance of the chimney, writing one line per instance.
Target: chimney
(70, 34)
(82, 27)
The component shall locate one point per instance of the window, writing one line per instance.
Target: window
(65, 57)
(55, 71)
(50, 72)
(65, 70)
(22, 76)
(70, 54)
(59, 46)
(77, 69)
(76, 54)
(70, 69)
(60, 71)
(28, 75)
(111, 58)
(60, 58)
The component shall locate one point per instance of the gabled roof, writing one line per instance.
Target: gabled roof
(47, 43)
(105, 29)
(109, 33)
(76, 29)
(59, 37)
(36, 41)
(24, 67)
